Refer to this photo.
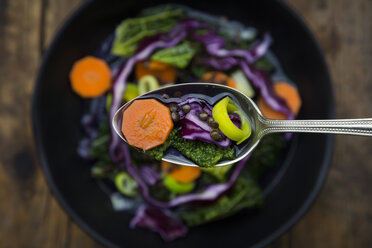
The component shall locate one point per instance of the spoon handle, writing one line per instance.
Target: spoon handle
(339, 126)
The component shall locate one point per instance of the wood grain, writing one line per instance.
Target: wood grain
(30, 215)
(342, 215)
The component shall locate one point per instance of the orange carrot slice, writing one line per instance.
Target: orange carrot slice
(164, 72)
(291, 96)
(219, 78)
(146, 123)
(90, 77)
(180, 173)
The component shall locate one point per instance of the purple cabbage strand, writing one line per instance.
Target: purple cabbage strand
(159, 220)
(261, 80)
(149, 175)
(214, 45)
(210, 194)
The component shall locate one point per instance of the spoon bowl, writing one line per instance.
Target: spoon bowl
(260, 125)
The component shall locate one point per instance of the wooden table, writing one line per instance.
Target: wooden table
(30, 215)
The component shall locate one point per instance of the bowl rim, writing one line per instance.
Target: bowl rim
(325, 165)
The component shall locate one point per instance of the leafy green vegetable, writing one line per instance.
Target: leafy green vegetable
(104, 167)
(245, 193)
(158, 152)
(234, 42)
(207, 178)
(139, 158)
(131, 31)
(203, 154)
(198, 70)
(218, 172)
(264, 64)
(178, 56)
(156, 10)
(100, 147)
(99, 151)
(161, 193)
(266, 154)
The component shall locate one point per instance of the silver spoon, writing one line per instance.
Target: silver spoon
(261, 125)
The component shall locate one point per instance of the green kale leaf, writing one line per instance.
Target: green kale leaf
(178, 56)
(203, 154)
(104, 167)
(245, 193)
(266, 154)
(264, 64)
(158, 152)
(131, 31)
(100, 146)
(218, 172)
(198, 70)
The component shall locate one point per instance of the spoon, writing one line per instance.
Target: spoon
(260, 125)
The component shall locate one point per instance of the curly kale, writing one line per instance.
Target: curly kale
(203, 154)
(245, 193)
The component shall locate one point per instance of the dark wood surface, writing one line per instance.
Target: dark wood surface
(31, 217)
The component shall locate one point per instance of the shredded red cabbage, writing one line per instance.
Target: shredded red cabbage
(159, 220)
(90, 123)
(221, 64)
(212, 192)
(192, 127)
(149, 175)
(214, 45)
(235, 119)
(83, 148)
(191, 131)
(261, 80)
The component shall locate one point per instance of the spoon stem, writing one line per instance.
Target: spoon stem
(361, 127)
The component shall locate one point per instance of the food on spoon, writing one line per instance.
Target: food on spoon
(146, 124)
(206, 131)
(221, 113)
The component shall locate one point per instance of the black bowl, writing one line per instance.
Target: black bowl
(292, 187)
